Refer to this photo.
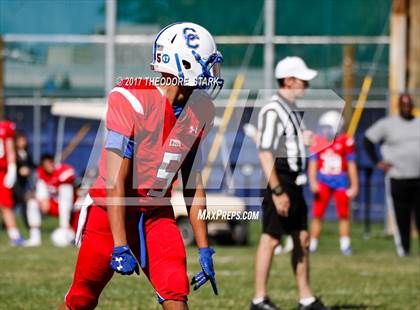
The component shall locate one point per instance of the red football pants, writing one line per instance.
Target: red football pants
(322, 199)
(6, 194)
(166, 258)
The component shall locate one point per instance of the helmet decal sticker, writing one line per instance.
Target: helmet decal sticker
(190, 35)
(165, 58)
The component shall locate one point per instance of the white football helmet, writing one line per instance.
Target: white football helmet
(188, 51)
(333, 119)
(62, 237)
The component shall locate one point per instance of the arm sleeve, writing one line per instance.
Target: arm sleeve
(313, 156)
(351, 156)
(120, 144)
(270, 129)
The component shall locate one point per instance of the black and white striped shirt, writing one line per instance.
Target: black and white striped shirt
(280, 128)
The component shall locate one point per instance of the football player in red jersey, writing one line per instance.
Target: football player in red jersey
(8, 179)
(54, 195)
(332, 172)
(154, 132)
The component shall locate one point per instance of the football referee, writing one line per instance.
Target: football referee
(282, 154)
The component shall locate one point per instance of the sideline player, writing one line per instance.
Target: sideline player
(332, 171)
(54, 195)
(153, 132)
(8, 179)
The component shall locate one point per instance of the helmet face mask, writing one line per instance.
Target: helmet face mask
(188, 52)
(327, 131)
(210, 78)
(330, 123)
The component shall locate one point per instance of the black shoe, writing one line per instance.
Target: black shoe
(266, 304)
(316, 305)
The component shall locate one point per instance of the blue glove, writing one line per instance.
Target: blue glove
(123, 261)
(207, 272)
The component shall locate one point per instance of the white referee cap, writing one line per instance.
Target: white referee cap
(294, 67)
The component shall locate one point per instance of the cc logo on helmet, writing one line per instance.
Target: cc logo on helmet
(190, 35)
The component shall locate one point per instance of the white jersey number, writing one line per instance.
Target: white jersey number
(332, 164)
(162, 173)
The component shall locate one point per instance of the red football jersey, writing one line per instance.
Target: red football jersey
(162, 141)
(7, 130)
(62, 174)
(332, 156)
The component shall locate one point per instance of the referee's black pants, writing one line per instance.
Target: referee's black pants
(406, 198)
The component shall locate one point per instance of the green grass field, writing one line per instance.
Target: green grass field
(373, 278)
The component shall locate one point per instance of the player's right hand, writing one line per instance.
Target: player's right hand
(123, 261)
(282, 204)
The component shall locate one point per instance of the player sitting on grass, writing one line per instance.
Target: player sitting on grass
(332, 172)
(54, 195)
(7, 180)
(153, 133)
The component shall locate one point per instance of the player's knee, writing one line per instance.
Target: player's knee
(343, 213)
(45, 208)
(318, 216)
(304, 241)
(81, 296)
(174, 304)
(63, 306)
(318, 212)
(81, 302)
(269, 241)
(176, 287)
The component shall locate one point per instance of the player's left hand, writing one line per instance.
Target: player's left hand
(123, 261)
(207, 273)
(352, 192)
